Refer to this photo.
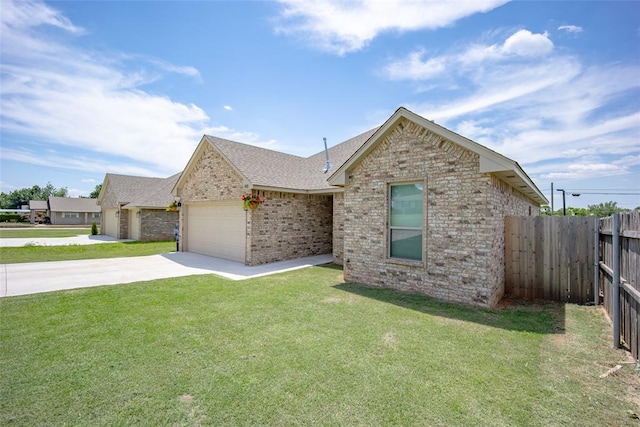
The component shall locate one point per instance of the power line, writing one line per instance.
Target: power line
(610, 194)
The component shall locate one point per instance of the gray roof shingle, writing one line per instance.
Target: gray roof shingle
(263, 167)
(72, 204)
(140, 191)
(38, 205)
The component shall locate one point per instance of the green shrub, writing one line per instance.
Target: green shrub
(94, 228)
(9, 217)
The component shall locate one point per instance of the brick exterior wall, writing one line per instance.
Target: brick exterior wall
(464, 214)
(286, 226)
(338, 228)
(212, 178)
(289, 226)
(124, 224)
(157, 224)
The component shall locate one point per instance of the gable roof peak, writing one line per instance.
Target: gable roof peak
(490, 160)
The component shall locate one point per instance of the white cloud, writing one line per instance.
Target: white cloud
(525, 43)
(521, 45)
(228, 108)
(570, 28)
(31, 14)
(342, 27)
(534, 105)
(79, 163)
(77, 98)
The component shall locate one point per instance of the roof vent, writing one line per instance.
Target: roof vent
(327, 164)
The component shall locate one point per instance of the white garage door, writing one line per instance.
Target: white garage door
(217, 229)
(110, 223)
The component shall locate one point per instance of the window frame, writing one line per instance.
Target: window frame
(73, 215)
(422, 228)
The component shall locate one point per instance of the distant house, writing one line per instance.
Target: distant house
(135, 207)
(73, 211)
(38, 207)
(410, 205)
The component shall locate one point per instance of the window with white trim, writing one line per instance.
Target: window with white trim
(70, 215)
(406, 221)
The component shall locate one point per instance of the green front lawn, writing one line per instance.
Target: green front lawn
(36, 232)
(73, 252)
(300, 348)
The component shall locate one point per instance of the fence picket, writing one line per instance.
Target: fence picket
(554, 258)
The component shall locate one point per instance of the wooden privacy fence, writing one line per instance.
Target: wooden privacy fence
(551, 258)
(580, 260)
(620, 279)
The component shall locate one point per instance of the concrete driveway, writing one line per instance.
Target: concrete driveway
(83, 239)
(31, 278)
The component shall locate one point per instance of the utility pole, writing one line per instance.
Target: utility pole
(552, 198)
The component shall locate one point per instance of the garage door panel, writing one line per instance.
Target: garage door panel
(217, 229)
(110, 223)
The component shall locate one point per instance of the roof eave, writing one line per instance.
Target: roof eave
(490, 161)
(317, 191)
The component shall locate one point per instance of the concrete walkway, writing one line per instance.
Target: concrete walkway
(31, 278)
(83, 239)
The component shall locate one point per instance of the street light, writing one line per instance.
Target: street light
(564, 204)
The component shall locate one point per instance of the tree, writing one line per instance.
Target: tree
(605, 209)
(96, 192)
(18, 198)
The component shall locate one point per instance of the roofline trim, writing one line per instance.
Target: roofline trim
(490, 161)
(325, 191)
(198, 152)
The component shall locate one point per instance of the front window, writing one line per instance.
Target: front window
(70, 215)
(406, 221)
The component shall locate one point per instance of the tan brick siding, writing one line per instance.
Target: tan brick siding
(461, 220)
(338, 228)
(109, 200)
(289, 226)
(123, 220)
(157, 224)
(212, 178)
(286, 226)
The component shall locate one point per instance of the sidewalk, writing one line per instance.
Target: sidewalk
(84, 239)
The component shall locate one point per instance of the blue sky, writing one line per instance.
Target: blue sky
(130, 87)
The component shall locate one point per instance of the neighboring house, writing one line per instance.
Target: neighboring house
(73, 211)
(38, 208)
(135, 207)
(410, 205)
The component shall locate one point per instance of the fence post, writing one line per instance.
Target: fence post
(596, 263)
(615, 301)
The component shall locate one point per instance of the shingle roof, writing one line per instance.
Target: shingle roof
(140, 191)
(268, 168)
(157, 195)
(38, 205)
(71, 204)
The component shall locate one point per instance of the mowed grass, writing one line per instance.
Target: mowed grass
(301, 348)
(13, 255)
(36, 232)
